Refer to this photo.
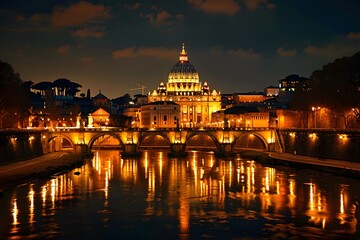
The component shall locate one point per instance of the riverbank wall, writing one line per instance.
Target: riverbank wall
(17, 145)
(336, 167)
(322, 143)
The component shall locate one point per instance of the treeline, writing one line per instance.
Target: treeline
(14, 97)
(336, 86)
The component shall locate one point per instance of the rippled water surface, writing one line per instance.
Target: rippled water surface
(156, 197)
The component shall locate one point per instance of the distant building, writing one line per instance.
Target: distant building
(287, 88)
(286, 118)
(135, 114)
(248, 98)
(100, 117)
(227, 100)
(196, 101)
(241, 117)
(160, 114)
(271, 91)
(100, 100)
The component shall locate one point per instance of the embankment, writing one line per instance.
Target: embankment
(337, 167)
(38, 168)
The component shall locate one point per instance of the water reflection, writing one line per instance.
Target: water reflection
(201, 196)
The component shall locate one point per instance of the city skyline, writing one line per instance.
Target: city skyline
(236, 46)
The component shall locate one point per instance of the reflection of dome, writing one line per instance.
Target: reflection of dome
(183, 71)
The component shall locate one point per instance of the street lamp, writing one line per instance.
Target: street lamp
(314, 110)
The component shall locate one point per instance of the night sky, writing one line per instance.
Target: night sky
(236, 45)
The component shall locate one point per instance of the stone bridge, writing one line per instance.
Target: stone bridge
(131, 141)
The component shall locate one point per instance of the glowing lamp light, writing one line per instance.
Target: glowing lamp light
(292, 134)
(312, 135)
(342, 136)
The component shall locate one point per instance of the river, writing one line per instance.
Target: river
(199, 197)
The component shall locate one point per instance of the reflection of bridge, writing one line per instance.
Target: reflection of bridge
(223, 142)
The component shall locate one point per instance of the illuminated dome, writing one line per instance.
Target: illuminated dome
(183, 71)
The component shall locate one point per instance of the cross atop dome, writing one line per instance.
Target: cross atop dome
(183, 55)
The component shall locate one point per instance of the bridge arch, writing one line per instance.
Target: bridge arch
(250, 140)
(97, 136)
(148, 138)
(52, 145)
(204, 138)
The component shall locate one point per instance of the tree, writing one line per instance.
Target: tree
(14, 99)
(336, 86)
(66, 87)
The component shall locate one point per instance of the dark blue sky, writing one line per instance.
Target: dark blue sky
(236, 45)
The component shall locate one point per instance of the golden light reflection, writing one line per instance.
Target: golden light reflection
(15, 213)
(31, 205)
(292, 195)
(43, 196)
(197, 179)
(106, 188)
(53, 186)
(184, 216)
(160, 162)
(311, 197)
(317, 206)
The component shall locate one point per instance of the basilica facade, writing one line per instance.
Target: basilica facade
(196, 101)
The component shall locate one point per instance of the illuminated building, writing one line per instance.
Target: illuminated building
(241, 116)
(99, 117)
(248, 98)
(197, 102)
(160, 114)
(271, 91)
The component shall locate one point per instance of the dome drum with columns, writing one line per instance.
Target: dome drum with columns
(197, 102)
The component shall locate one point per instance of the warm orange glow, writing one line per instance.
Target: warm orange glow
(343, 136)
(15, 213)
(312, 135)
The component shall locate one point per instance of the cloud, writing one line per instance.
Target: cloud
(159, 19)
(227, 7)
(332, 50)
(63, 50)
(156, 52)
(87, 32)
(247, 54)
(354, 35)
(254, 5)
(134, 6)
(286, 53)
(162, 17)
(78, 14)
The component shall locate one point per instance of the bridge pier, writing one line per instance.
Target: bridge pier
(177, 150)
(224, 150)
(81, 148)
(130, 150)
